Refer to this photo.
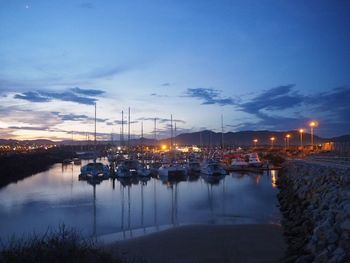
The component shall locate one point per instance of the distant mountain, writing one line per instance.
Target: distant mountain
(38, 141)
(343, 138)
(243, 138)
(206, 137)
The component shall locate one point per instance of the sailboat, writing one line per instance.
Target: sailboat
(94, 170)
(171, 167)
(142, 170)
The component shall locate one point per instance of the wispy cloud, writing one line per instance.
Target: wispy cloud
(209, 96)
(161, 120)
(77, 117)
(284, 108)
(77, 95)
(86, 5)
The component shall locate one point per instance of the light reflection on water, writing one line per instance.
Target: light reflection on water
(126, 207)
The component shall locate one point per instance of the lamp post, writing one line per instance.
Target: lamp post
(272, 139)
(287, 138)
(255, 142)
(312, 125)
(301, 131)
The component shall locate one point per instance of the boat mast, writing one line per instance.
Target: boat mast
(171, 129)
(122, 131)
(175, 135)
(129, 132)
(222, 132)
(142, 142)
(155, 129)
(95, 132)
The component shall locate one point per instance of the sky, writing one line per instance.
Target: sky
(273, 65)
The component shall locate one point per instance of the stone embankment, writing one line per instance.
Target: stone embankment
(315, 203)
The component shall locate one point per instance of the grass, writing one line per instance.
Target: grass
(55, 246)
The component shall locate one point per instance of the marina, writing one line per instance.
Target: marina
(124, 207)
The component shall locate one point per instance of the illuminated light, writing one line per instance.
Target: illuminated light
(301, 130)
(288, 135)
(164, 147)
(273, 178)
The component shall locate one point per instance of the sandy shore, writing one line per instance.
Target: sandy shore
(206, 243)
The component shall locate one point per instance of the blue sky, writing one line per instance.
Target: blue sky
(262, 64)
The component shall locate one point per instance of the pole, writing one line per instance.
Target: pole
(95, 129)
(171, 132)
(175, 135)
(129, 132)
(301, 139)
(312, 137)
(222, 132)
(122, 132)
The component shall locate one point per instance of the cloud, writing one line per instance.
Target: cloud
(166, 84)
(77, 117)
(161, 120)
(77, 95)
(284, 108)
(209, 96)
(278, 98)
(32, 96)
(86, 5)
(104, 72)
(87, 92)
(158, 95)
(28, 128)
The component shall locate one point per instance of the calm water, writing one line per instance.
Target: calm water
(130, 208)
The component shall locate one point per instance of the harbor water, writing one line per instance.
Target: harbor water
(125, 209)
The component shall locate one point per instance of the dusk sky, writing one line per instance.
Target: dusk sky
(262, 64)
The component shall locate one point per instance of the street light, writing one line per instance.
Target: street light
(272, 139)
(312, 125)
(301, 131)
(255, 142)
(287, 140)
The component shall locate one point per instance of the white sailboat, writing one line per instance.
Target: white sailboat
(171, 167)
(94, 170)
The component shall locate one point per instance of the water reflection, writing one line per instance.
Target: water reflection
(131, 206)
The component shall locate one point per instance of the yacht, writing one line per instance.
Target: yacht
(172, 169)
(254, 160)
(238, 164)
(193, 166)
(212, 167)
(94, 170)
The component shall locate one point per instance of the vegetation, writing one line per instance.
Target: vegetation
(56, 246)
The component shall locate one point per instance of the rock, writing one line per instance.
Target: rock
(345, 225)
(322, 257)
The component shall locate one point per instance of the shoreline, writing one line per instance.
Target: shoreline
(205, 243)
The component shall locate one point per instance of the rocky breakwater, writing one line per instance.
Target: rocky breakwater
(315, 203)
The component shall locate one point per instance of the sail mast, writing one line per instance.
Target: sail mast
(95, 129)
(171, 129)
(129, 131)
